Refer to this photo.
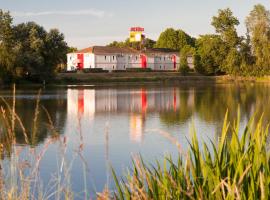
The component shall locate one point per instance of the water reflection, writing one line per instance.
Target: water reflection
(135, 103)
(172, 105)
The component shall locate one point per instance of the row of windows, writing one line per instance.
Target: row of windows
(136, 58)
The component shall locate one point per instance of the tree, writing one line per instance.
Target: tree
(210, 54)
(7, 50)
(184, 53)
(174, 39)
(147, 43)
(29, 49)
(225, 24)
(258, 25)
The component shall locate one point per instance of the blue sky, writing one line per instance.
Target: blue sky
(98, 22)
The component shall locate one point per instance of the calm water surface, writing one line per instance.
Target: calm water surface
(102, 126)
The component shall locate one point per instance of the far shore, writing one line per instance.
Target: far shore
(146, 77)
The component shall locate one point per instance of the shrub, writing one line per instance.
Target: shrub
(94, 70)
(139, 69)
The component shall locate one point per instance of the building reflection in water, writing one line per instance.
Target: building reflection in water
(136, 103)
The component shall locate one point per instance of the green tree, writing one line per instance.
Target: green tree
(225, 24)
(7, 49)
(174, 39)
(210, 54)
(29, 48)
(185, 52)
(258, 25)
(147, 43)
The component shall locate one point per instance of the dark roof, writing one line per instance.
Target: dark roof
(86, 50)
(108, 50)
(160, 51)
(101, 50)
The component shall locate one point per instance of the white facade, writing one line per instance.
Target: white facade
(123, 60)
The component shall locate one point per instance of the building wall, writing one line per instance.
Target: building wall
(122, 61)
(134, 61)
(89, 60)
(106, 62)
(71, 58)
(165, 62)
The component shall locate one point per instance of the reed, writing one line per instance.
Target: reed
(238, 167)
(20, 176)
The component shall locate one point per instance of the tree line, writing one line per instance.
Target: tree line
(224, 52)
(27, 50)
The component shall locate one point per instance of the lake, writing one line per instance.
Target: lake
(83, 131)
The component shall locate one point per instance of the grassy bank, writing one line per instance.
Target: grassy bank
(85, 78)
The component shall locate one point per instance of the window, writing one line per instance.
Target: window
(113, 57)
(160, 67)
(105, 57)
(136, 57)
(124, 66)
(113, 67)
(164, 58)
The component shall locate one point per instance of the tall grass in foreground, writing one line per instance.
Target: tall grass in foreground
(20, 164)
(237, 168)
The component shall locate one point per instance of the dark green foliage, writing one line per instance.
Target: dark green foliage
(138, 69)
(27, 49)
(258, 25)
(210, 54)
(147, 43)
(232, 54)
(174, 39)
(184, 53)
(95, 70)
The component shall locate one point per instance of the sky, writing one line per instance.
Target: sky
(98, 22)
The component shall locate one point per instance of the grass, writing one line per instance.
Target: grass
(238, 167)
(20, 176)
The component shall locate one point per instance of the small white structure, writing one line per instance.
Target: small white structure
(115, 58)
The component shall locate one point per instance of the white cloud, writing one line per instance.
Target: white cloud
(89, 12)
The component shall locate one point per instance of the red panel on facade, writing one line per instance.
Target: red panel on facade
(174, 61)
(80, 63)
(143, 61)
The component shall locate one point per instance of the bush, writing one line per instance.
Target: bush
(139, 69)
(94, 70)
(184, 69)
(119, 71)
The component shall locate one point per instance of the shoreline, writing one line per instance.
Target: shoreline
(137, 78)
(150, 77)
